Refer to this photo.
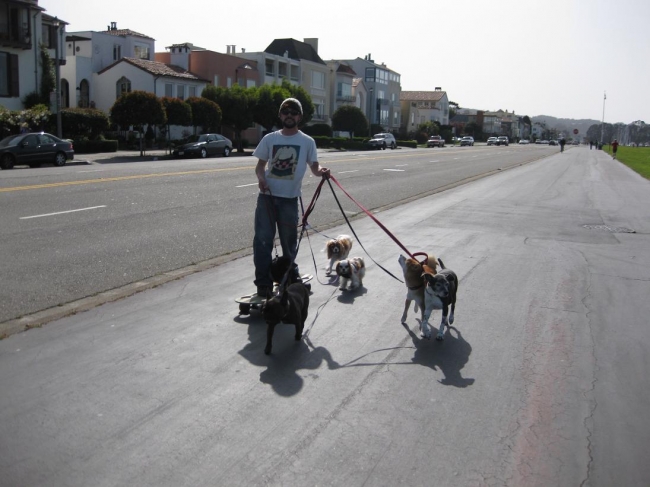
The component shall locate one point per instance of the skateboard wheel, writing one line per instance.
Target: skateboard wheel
(244, 309)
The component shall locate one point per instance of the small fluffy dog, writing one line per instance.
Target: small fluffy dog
(337, 249)
(440, 293)
(352, 271)
(415, 282)
(290, 307)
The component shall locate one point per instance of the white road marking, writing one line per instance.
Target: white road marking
(401, 165)
(437, 160)
(61, 212)
(344, 172)
(245, 185)
(394, 170)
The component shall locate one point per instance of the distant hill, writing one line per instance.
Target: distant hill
(566, 125)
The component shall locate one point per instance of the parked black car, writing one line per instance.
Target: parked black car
(34, 149)
(204, 145)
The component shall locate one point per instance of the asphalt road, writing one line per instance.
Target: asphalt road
(78, 231)
(543, 380)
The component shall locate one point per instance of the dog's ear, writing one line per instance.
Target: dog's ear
(427, 273)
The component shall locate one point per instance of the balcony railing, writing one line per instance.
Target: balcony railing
(345, 98)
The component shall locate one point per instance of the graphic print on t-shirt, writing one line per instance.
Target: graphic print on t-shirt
(284, 161)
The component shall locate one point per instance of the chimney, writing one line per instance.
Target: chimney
(313, 42)
(438, 88)
(113, 25)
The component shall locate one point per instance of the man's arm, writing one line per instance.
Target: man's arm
(260, 172)
(318, 170)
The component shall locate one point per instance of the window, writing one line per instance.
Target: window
(318, 80)
(123, 86)
(141, 52)
(318, 111)
(216, 80)
(169, 90)
(250, 83)
(343, 89)
(229, 82)
(9, 74)
(282, 70)
(191, 91)
(370, 74)
(268, 67)
(48, 35)
(180, 92)
(84, 94)
(117, 52)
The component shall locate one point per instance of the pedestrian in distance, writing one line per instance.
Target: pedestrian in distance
(283, 157)
(562, 142)
(614, 147)
(591, 144)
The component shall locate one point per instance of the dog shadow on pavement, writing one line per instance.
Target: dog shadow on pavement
(288, 358)
(450, 355)
(348, 297)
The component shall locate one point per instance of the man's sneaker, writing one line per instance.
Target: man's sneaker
(264, 291)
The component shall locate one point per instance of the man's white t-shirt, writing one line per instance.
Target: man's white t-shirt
(287, 158)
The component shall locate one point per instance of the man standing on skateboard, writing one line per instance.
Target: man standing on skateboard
(283, 157)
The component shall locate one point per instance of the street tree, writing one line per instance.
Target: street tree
(236, 105)
(350, 119)
(266, 104)
(137, 109)
(205, 114)
(178, 112)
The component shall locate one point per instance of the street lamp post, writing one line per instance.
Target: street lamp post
(370, 112)
(602, 125)
(57, 69)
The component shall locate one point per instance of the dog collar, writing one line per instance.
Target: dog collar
(416, 287)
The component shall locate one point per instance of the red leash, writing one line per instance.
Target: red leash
(381, 225)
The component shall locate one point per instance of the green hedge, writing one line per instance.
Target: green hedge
(85, 146)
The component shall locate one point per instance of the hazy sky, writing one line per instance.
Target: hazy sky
(556, 57)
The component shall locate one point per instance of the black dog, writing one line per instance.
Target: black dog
(290, 307)
(280, 267)
(440, 291)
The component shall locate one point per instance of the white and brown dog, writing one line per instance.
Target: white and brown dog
(439, 293)
(352, 271)
(337, 249)
(414, 280)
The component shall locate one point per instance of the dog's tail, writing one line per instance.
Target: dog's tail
(442, 266)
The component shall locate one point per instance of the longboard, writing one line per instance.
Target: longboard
(253, 301)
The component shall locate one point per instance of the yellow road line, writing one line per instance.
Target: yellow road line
(120, 178)
(183, 173)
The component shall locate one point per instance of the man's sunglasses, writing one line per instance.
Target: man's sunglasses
(288, 111)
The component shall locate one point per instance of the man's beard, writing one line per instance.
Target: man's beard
(289, 123)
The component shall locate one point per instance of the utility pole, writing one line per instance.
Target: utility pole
(602, 125)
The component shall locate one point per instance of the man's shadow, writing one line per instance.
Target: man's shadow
(287, 357)
(449, 355)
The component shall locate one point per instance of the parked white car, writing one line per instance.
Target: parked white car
(467, 141)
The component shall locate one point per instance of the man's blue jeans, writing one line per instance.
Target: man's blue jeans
(272, 212)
